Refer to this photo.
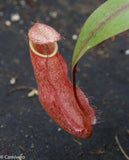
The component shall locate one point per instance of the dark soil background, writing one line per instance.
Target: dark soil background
(25, 128)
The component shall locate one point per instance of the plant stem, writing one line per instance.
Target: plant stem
(74, 86)
(121, 149)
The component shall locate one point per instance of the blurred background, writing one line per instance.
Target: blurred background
(103, 74)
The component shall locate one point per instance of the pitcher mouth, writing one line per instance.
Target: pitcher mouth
(44, 55)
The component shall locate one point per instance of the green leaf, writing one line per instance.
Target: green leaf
(110, 19)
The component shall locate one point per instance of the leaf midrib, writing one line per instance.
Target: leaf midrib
(115, 13)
